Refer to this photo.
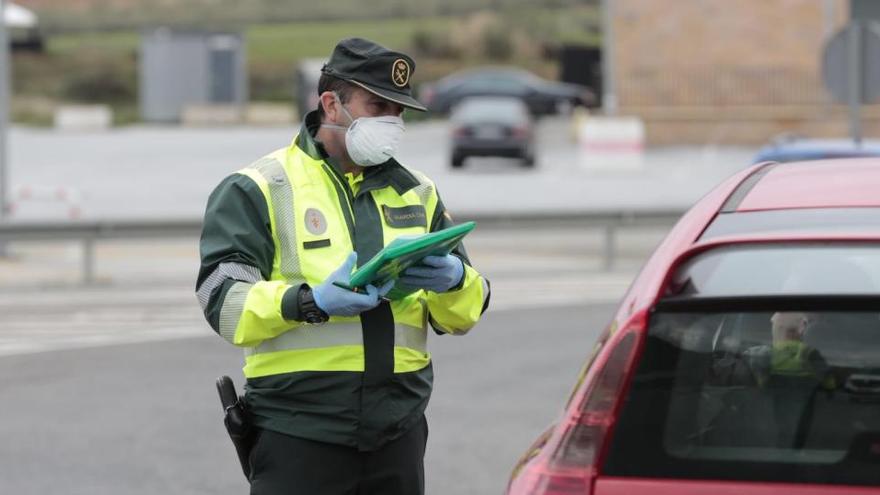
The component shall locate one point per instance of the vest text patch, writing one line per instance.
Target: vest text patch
(405, 216)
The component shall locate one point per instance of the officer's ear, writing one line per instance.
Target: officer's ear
(330, 105)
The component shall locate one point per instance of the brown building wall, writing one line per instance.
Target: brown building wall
(726, 71)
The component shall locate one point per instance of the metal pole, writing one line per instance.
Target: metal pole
(4, 115)
(829, 30)
(854, 80)
(830, 18)
(609, 93)
(88, 258)
(4, 121)
(609, 249)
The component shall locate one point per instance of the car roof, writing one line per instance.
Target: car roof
(490, 102)
(816, 184)
(477, 72)
(502, 109)
(491, 70)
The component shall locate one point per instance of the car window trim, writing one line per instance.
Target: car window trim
(800, 302)
(739, 194)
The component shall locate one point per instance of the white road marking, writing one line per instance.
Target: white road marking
(50, 320)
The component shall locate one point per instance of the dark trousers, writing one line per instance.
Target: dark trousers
(285, 465)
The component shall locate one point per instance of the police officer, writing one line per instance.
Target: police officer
(337, 381)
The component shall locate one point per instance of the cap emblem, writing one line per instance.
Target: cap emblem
(400, 73)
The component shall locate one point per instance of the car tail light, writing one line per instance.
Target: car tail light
(520, 132)
(570, 460)
(461, 132)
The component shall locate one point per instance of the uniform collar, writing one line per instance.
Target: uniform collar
(390, 173)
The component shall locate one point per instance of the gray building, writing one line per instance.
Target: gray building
(180, 69)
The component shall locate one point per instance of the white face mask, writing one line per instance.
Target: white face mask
(370, 141)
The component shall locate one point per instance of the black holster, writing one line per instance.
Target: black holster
(237, 421)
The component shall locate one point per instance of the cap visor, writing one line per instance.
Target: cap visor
(402, 99)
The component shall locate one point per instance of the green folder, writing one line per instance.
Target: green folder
(405, 252)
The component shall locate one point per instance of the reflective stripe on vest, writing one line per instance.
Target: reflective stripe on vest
(233, 305)
(283, 213)
(337, 334)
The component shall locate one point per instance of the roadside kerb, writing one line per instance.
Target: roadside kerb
(90, 232)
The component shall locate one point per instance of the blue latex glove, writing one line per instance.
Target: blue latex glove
(434, 273)
(336, 301)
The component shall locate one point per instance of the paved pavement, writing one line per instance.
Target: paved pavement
(158, 172)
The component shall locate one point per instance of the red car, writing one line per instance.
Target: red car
(745, 357)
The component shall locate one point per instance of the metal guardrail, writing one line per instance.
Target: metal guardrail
(90, 232)
(610, 222)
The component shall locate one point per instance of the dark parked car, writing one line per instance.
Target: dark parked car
(492, 127)
(864, 387)
(788, 148)
(541, 96)
(743, 359)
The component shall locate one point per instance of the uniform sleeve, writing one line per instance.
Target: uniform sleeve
(237, 253)
(458, 310)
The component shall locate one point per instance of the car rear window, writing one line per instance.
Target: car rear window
(794, 221)
(506, 110)
(780, 269)
(782, 396)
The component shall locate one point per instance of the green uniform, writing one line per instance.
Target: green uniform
(291, 218)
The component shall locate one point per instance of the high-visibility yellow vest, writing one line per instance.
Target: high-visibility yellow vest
(315, 221)
(306, 213)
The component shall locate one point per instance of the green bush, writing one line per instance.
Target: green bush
(102, 77)
(435, 45)
(101, 66)
(35, 74)
(102, 86)
(271, 82)
(497, 43)
(32, 110)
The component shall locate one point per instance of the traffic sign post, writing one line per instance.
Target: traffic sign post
(855, 88)
(851, 69)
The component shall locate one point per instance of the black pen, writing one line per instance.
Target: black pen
(356, 290)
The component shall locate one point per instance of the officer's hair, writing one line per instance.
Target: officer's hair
(329, 83)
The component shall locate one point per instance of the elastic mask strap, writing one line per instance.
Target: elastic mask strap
(337, 126)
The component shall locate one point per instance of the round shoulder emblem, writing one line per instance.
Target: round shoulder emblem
(400, 72)
(315, 221)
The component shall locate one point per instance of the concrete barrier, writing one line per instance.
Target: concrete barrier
(83, 117)
(611, 143)
(57, 198)
(210, 115)
(269, 114)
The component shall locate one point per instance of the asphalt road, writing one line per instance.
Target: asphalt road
(109, 389)
(144, 418)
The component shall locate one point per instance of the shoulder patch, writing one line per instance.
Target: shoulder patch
(316, 222)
